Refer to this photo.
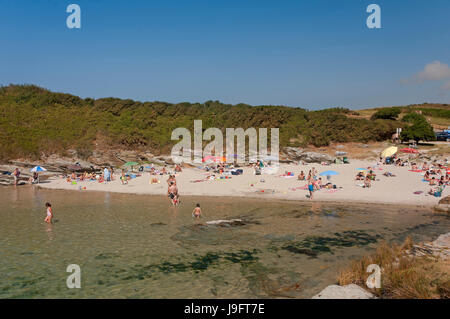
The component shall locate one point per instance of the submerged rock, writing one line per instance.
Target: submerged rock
(227, 223)
(351, 291)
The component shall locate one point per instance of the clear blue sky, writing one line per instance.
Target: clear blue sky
(312, 54)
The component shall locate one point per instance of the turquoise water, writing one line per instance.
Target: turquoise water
(131, 246)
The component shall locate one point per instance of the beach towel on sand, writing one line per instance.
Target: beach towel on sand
(299, 187)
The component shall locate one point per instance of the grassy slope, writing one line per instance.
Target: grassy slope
(34, 121)
(437, 114)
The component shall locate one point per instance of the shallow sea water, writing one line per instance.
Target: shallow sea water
(136, 246)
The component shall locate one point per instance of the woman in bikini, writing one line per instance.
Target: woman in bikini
(49, 217)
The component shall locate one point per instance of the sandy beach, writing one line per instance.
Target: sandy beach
(397, 190)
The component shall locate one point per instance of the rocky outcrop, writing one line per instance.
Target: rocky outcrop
(297, 154)
(443, 205)
(439, 248)
(351, 291)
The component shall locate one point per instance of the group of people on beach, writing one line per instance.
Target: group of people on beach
(436, 174)
(315, 182)
(107, 175)
(34, 178)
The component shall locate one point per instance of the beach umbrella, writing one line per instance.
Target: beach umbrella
(131, 164)
(38, 169)
(388, 152)
(219, 159)
(362, 169)
(208, 158)
(329, 173)
(409, 150)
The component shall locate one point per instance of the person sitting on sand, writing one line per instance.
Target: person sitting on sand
(426, 176)
(425, 167)
(437, 191)
(123, 178)
(360, 176)
(319, 183)
(197, 212)
(432, 181)
(388, 174)
(73, 177)
(177, 168)
(34, 178)
(301, 176)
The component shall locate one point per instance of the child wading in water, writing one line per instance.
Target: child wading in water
(49, 217)
(197, 212)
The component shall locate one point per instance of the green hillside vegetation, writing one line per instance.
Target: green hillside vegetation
(35, 121)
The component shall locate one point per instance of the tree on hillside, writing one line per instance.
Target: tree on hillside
(419, 130)
(390, 113)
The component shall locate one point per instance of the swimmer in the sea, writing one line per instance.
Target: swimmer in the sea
(197, 212)
(49, 217)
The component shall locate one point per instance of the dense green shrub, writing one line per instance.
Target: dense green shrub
(419, 130)
(390, 113)
(35, 121)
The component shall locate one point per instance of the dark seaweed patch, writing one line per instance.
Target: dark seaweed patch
(313, 245)
(297, 250)
(106, 256)
(199, 264)
(26, 253)
(157, 224)
(241, 256)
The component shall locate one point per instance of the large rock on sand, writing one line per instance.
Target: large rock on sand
(443, 205)
(308, 157)
(351, 291)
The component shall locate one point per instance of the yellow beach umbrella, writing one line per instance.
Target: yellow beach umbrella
(389, 151)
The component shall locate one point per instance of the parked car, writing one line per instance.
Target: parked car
(443, 136)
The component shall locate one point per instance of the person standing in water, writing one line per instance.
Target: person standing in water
(16, 175)
(197, 212)
(172, 192)
(49, 217)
